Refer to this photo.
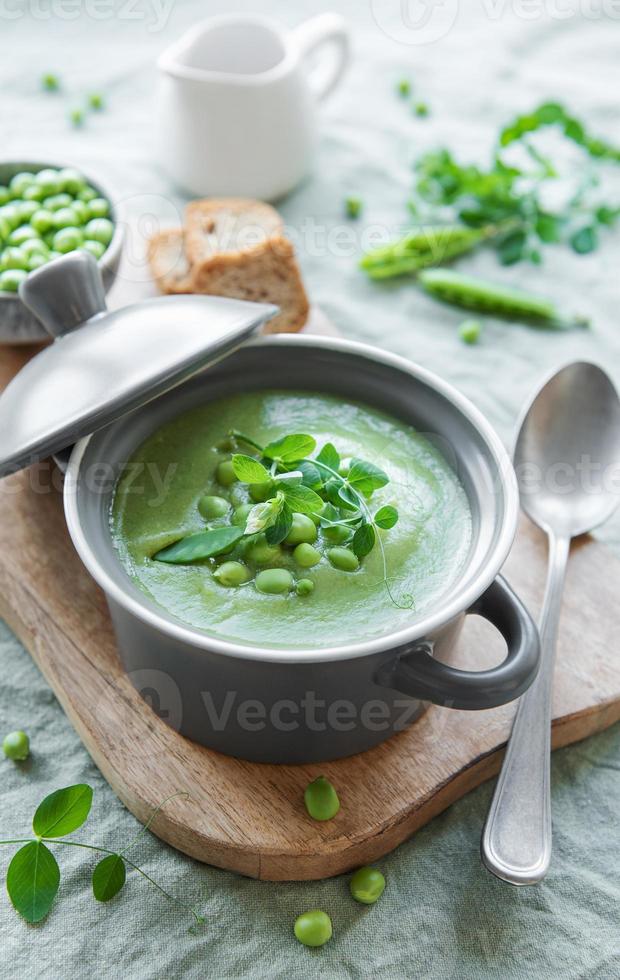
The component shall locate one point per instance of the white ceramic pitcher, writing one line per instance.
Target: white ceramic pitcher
(238, 97)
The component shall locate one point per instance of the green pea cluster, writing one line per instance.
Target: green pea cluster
(46, 214)
(254, 558)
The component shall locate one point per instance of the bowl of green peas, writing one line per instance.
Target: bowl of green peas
(48, 210)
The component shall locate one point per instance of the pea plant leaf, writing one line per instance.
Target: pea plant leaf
(347, 497)
(366, 477)
(386, 517)
(311, 475)
(63, 811)
(249, 470)
(281, 527)
(329, 456)
(204, 544)
(108, 877)
(303, 500)
(363, 540)
(32, 880)
(265, 514)
(290, 448)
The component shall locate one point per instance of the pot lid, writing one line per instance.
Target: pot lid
(102, 365)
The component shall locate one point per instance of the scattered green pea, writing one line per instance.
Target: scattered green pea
(337, 534)
(96, 249)
(65, 218)
(57, 201)
(321, 799)
(344, 559)
(95, 101)
(19, 182)
(22, 234)
(26, 209)
(259, 492)
(42, 220)
(404, 88)
(76, 117)
(469, 331)
(274, 581)
(5, 196)
(367, 885)
(353, 207)
(50, 82)
(261, 552)
(302, 530)
(304, 587)
(47, 182)
(241, 514)
(313, 928)
(211, 507)
(98, 208)
(421, 109)
(10, 213)
(232, 574)
(306, 556)
(67, 240)
(87, 194)
(16, 745)
(13, 258)
(100, 230)
(224, 474)
(11, 280)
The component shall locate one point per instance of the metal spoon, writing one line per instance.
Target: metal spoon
(567, 457)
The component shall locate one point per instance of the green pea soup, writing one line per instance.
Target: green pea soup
(156, 503)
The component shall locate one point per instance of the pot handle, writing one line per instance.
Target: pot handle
(328, 29)
(419, 675)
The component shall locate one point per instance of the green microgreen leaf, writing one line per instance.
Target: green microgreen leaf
(346, 497)
(366, 477)
(291, 448)
(108, 877)
(303, 500)
(329, 456)
(249, 470)
(32, 880)
(363, 540)
(204, 544)
(290, 479)
(281, 527)
(386, 517)
(311, 475)
(265, 514)
(63, 811)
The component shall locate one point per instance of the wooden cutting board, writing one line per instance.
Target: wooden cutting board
(250, 818)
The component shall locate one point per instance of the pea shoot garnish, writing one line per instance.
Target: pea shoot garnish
(314, 503)
(33, 876)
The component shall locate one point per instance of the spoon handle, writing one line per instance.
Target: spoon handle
(516, 841)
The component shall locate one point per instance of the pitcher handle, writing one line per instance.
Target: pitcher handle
(325, 29)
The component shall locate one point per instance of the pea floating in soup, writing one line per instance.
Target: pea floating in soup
(291, 519)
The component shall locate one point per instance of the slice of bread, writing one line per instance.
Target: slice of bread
(269, 276)
(233, 247)
(228, 226)
(168, 261)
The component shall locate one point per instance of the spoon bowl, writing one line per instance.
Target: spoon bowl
(567, 455)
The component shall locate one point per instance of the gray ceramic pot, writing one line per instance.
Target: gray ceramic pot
(294, 706)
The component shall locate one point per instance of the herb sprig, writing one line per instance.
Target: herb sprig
(462, 206)
(335, 493)
(33, 876)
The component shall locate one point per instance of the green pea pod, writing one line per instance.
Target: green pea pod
(429, 246)
(496, 300)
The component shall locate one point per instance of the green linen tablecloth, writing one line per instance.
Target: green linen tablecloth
(442, 915)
